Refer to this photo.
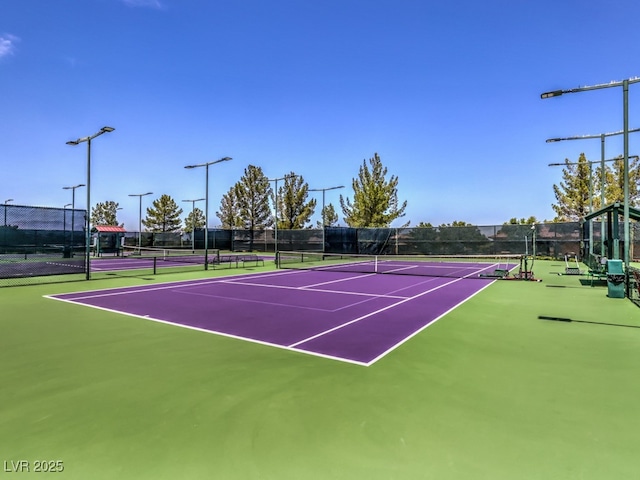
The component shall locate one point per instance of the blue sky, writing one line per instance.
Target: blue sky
(447, 93)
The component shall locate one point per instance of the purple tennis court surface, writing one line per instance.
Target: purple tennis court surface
(349, 317)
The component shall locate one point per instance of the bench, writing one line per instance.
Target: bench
(238, 259)
(250, 258)
(598, 271)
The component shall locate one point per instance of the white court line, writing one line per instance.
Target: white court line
(106, 292)
(247, 300)
(370, 314)
(306, 288)
(406, 339)
(215, 332)
(346, 279)
(292, 347)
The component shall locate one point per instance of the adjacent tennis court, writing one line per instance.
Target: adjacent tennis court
(349, 316)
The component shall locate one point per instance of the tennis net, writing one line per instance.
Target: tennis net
(170, 254)
(454, 266)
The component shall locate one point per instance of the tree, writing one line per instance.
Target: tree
(252, 195)
(329, 215)
(293, 209)
(614, 178)
(529, 221)
(163, 216)
(229, 213)
(105, 213)
(573, 192)
(375, 200)
(194, 220)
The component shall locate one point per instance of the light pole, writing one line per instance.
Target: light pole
(5, 209)
(193, 222)
(625, 132)
(275, 228)
(324, 220)
(73, 208)
(88, 214)
(206, 205)
(140, 195)
(602, 137)
(64, 224)
(591, 198)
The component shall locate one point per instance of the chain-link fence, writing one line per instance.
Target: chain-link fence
(553, 240)
(40, 242)
(34, 238)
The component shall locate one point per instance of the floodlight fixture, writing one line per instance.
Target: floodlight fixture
(275, 227)
(625, 129)
(140, 195)
(193, 223)
(324, 220)
(88, 215)
(206, 205)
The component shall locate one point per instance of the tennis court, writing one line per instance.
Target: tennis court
(489, 391)
(349, 316)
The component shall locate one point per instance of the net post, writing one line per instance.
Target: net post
(155, 265)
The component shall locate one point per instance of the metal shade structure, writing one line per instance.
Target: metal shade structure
(88, 215)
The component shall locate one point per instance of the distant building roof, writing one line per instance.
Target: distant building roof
(110, 229)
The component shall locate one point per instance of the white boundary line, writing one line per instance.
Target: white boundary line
(105, 292)
(406, 339)
(214, 332)
(370, 314)
(291, 347)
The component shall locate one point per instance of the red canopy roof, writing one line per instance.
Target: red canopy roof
(110, 229)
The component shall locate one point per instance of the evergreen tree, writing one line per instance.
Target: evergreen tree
(375, 200)
(293, 209)
(528, 221)
(329, 215)
(163, 216)
(194, 220)
(573, 192)
(105, 213)
(614, 177)
(229, 213)
(252, 196)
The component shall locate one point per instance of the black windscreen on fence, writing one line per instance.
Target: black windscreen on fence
(39, 242)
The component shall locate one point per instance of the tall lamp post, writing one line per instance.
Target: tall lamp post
(140, 195)
(324, 220)
(602, 137)
(5, 209)
(275, 228)
(73, 208)
(625, 132)
(193, 222)
(88, 214)
(206, 205)
(64, 222)
(602, 162)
